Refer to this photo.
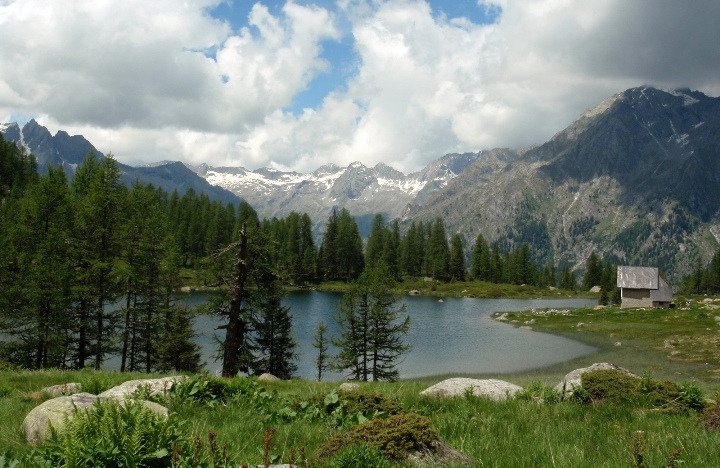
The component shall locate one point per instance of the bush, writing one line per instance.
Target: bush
(359, 456)
(616, 387)
(610, 386)
(116, 435)
(395, 437)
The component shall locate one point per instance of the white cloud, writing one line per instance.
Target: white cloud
(132, 80)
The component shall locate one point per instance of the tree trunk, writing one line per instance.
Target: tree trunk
(235, 331)
(126, 334)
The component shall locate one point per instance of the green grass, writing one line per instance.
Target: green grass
(513, 433)
(479, 289)
(682, 343)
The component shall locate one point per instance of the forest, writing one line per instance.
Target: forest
(88, 266)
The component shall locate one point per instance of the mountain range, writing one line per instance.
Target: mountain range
(68, 151)
(635, 179)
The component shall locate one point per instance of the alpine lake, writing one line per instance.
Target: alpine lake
(447, 336)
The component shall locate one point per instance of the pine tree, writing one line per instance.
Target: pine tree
(481, 266)
(99, 214)
(593, 272)
(176, 349)
(350, 260)
(567, 279)
(320, 343)
(457, 258)
(438, 252)
(376, 242)
(37, 284)
(273, 344)
(372, 328)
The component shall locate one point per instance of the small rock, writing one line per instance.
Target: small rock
(186, 289)
(348, 387)
(70, 388)
(267, 378)
(497, 390)
(440, 300)
(599, 307)
(414, 292)
(572, 380)
(154, 387)
(595, 289)
(440, 453)
(618, 343)
(552, 288)
(502, 317)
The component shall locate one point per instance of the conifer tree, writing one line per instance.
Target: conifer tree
(99, 214)
(376, 241)
(273, 345)
(457, 258)
(593, 272)
(372, 328)
(567, 279)
(481, 265)
(320, 343)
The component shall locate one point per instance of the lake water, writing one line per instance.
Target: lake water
(454, 336)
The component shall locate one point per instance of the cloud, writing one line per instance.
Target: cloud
(164, 80)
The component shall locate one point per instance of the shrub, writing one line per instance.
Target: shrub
(359, 456)
(610, 386)
(395, 437)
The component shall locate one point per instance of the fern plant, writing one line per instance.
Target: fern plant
(112, 434)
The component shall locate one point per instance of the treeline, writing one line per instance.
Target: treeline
(86, 269)
(704, 279)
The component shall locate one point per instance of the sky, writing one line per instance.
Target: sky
(297, 84)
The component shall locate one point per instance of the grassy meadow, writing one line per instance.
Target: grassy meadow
(679, 344)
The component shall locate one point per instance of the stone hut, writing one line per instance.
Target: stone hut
(643, 287)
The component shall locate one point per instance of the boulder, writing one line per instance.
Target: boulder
(497, 390)
(572, 380)
(268, 378)
(55, 413)
(59, 410)
(348, 387)
(154, 387)
(70, 388)
(595, 289)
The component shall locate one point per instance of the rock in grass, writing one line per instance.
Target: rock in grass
(268, 378)
(572, 380)
(55, 413)
(493, 389)
(439, 453)
(348, 387)
(154, 387)
(58, 411)
(70, 388)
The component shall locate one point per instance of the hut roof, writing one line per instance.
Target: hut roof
(638, 277)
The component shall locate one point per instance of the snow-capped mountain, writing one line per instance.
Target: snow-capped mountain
(363, 190)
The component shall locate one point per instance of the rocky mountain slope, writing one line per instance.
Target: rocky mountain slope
(68, 151)
(637, 179)
(363, 190)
